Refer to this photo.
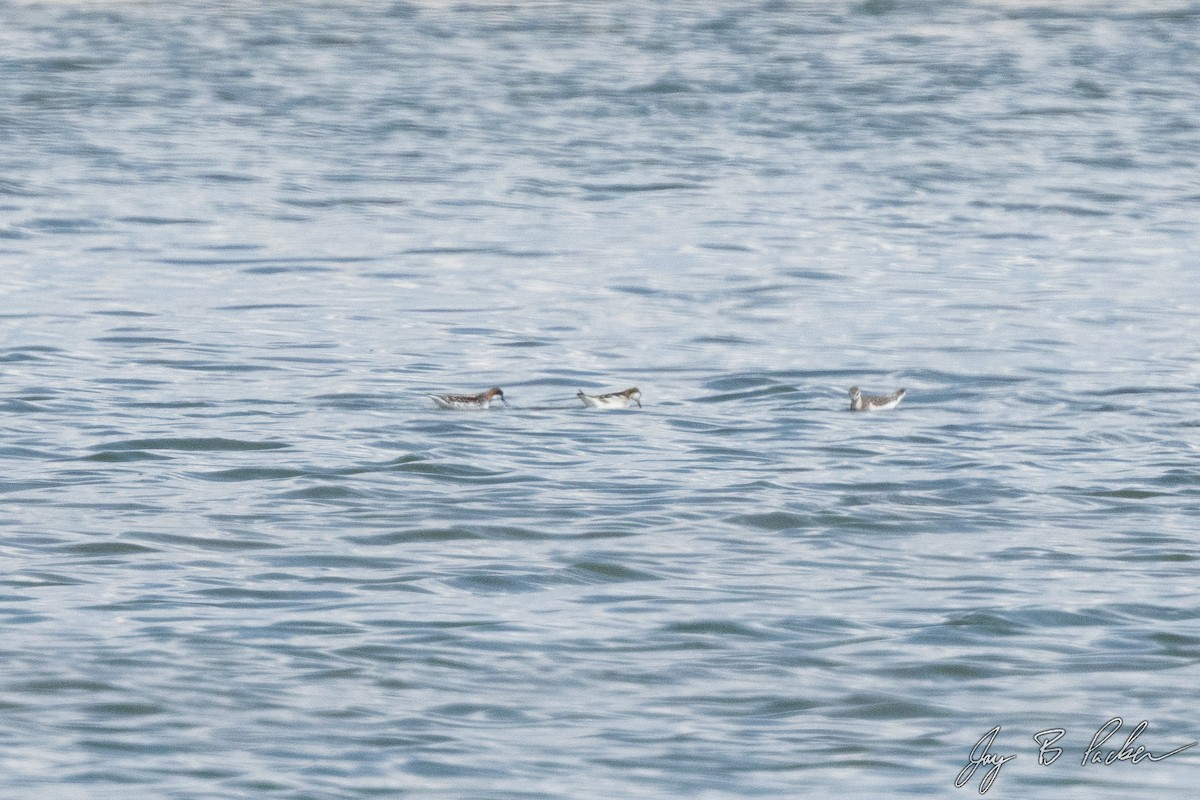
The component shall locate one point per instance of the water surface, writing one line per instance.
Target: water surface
(245, 556)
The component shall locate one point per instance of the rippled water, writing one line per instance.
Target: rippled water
(245, 556)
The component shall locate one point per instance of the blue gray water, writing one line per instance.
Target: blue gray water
(245, 556)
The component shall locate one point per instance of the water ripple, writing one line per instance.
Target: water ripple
(246, 556)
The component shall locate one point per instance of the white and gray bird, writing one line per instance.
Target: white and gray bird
(879, 402)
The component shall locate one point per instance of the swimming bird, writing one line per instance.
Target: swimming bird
(469, 402)
(879, 402)
(612, 399)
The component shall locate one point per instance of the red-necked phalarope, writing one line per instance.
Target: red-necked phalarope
(469, 402)
(881, 402)
(612, 399)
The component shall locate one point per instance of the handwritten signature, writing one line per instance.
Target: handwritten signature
(981, 754)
